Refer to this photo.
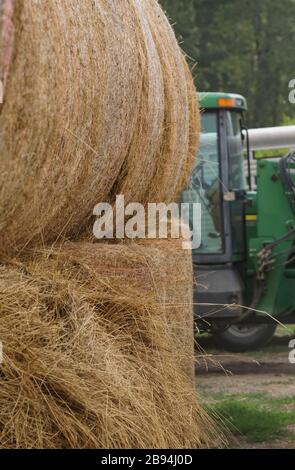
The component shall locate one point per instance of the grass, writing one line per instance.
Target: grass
(256, 417)
(292, 329)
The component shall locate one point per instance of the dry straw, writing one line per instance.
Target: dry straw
(6, 41)
(97, 103)
(97, 338)
(173, 150)
(94, 354)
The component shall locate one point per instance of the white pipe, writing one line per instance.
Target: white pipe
(271, 138)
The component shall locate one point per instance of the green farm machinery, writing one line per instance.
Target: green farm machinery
(245, 265)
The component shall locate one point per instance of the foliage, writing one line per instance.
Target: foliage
(182, 15)
(242, 47)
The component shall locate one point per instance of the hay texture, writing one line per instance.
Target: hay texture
(6, 41)
(94, 354)
(98, 102)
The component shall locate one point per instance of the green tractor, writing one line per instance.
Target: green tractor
(245, 265)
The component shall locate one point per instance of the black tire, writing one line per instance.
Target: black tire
(242, 338)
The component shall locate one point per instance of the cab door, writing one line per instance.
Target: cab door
(218, 184)
(208, 183)
(237, 182)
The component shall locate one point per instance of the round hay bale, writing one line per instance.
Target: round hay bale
(174, 147)
(63, 123)
(139, 166)
(96, 104)
(194, 132)
(163, 173)
(89, 359)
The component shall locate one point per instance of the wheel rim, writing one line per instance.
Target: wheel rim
(244, 331)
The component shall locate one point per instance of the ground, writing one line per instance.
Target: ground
(253, 394)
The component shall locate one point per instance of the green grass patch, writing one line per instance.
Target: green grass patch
(291, 328)
(288, 330)
(256, 417)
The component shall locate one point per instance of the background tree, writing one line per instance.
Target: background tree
(243, 47)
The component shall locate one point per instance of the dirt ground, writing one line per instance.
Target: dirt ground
(266, 372)
(268, 445)
(276, 385)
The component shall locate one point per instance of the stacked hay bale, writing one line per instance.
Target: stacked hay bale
(91, 360)
(97, 338)
(96, 104)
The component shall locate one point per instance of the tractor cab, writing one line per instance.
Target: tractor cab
(218, 181)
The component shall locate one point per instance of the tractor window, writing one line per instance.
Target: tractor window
(237, 179)
(205, 186)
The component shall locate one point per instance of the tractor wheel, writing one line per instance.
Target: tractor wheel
(242, 338)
